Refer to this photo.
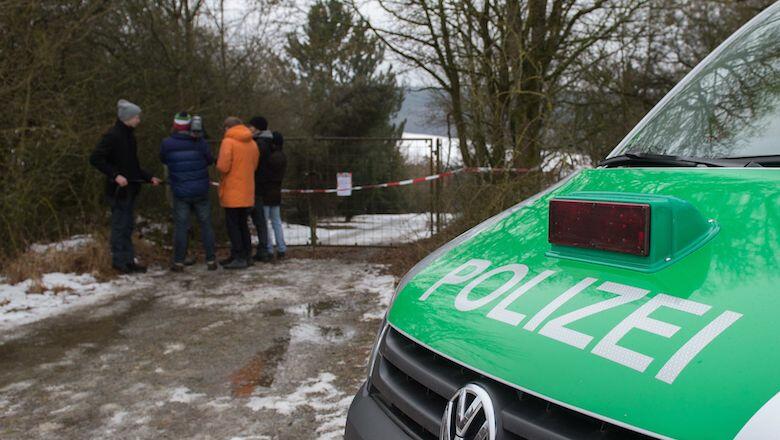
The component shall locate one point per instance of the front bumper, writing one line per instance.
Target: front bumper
(366, 420)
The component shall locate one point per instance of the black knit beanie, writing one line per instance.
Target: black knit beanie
(259, 123)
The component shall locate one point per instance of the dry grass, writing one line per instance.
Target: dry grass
(93, 258)
(400, 259)
(36, 286)
(57, 289)
(476, 202)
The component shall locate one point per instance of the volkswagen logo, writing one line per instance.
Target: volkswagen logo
(469, 415)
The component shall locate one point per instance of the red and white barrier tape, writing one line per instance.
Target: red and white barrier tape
(471, 170)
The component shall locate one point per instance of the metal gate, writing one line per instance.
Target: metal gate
(380, 200)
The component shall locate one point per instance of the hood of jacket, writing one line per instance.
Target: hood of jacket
(240, 133)
(265, 134)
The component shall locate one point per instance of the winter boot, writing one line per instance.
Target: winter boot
(122, 269)
(260, 256)
(136, 268)
(236, 264)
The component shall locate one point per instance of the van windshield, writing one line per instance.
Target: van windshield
(730, 109)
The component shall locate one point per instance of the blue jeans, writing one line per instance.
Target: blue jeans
(273, 213)
(181, 220)
(122, 224)
(261, 224)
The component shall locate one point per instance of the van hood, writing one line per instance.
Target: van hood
(689, 350)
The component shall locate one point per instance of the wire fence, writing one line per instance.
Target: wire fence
(399, 211)
(385, 191)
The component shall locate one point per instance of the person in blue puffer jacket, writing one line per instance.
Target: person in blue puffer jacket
(188, 158)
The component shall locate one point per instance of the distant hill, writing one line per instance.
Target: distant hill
(422, 113)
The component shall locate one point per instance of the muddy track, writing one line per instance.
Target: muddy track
(273, 352)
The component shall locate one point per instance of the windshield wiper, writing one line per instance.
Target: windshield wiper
(766, 161)
(663, 160)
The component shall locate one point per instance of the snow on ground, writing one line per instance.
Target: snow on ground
(382, 287)
(312, 392)
(318, 393)
(321, 392)
(71, 243)
(365, 230)
(148, 227)
(61, 293)
(185, 395)
(313, 310)
(563, 163)
(553, 161)
(418, 152)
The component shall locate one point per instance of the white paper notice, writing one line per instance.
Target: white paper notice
(344, 184)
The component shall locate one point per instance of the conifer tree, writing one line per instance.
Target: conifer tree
(347, 93)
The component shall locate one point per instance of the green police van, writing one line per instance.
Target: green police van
(640, 299)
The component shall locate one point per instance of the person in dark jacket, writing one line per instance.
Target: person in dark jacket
(258, 125)
(188, 158)
(276, 166)
(116, 156)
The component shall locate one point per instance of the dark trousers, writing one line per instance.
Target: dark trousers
(238, 231)
(181, 219)
(261, 224)
(122, 224)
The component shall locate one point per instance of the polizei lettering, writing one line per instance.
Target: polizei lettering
(546, 323)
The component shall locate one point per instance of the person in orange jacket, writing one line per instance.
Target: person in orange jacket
(237, 162)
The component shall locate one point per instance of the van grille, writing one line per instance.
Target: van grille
(413, 385)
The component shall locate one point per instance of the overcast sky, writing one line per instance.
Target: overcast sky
(246, 15)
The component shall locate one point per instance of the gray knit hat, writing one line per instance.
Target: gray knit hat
(126, 110)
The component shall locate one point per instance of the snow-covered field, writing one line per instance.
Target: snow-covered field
(419, 152)
(365, 230)
(560, 162)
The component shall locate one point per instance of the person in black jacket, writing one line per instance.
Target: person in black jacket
(263, 138)
(276, 166)
(116, 156)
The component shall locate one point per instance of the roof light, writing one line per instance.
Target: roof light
(607, 226)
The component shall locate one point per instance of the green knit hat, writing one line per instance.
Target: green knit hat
(182, 121)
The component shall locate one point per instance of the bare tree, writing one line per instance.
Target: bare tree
(64, 64)
(499, 62)
(622, 78)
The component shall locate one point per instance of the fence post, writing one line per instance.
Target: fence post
(437, 193)
(432, 208)
(312, 214)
